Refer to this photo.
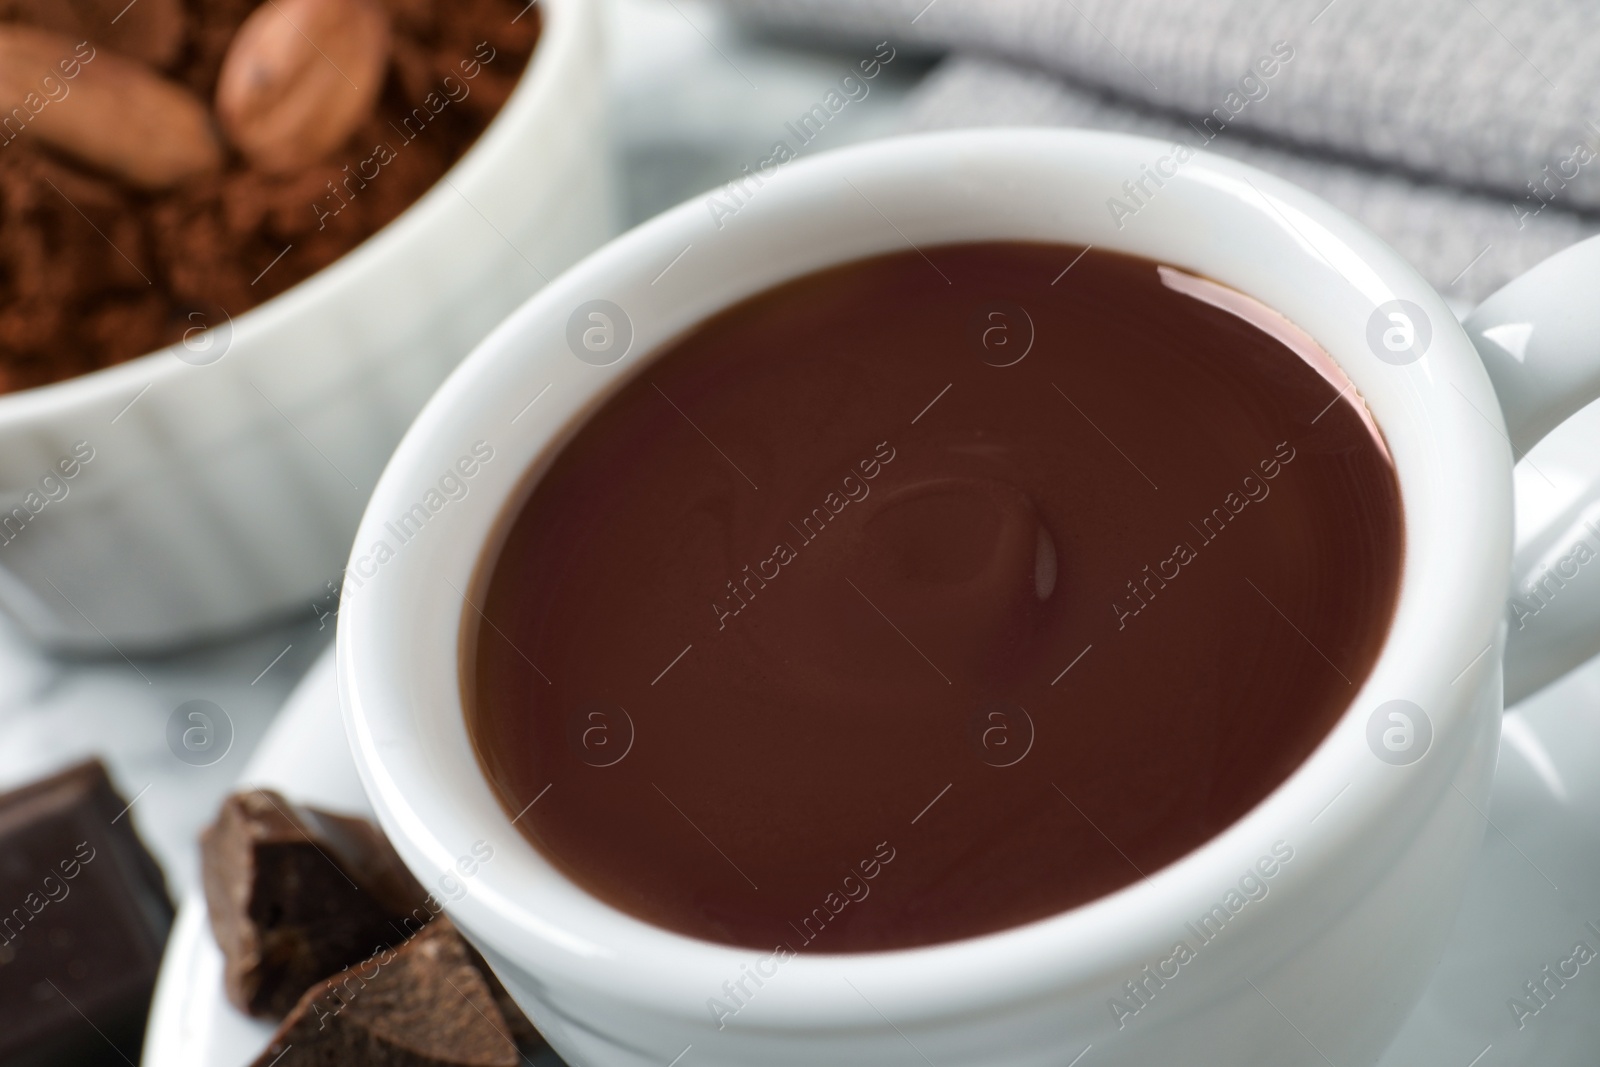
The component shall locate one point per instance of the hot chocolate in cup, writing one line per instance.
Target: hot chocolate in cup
(1300, 933)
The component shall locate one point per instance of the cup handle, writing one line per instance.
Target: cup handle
(1539, 338)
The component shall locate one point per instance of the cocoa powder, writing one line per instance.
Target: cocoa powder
(94, 272)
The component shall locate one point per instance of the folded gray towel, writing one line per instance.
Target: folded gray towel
(1456, 129)
(1467, 244)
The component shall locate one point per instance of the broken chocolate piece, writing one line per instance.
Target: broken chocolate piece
(297, 894)
(84, 915)
(422, 1004)
(518, 1025)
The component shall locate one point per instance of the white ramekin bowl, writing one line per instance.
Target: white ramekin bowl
(224, 490)
(1323, 969)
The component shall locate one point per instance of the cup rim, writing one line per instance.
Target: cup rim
(559, 36)
(621, 958)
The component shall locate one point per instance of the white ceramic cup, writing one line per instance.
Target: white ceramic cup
(227, 473)
(1363, 850)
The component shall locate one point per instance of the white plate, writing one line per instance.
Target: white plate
(1536, 884)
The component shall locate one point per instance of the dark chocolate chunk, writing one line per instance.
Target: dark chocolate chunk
(84, 915)
(518, 1025)
(422, 1004)
(297, 894)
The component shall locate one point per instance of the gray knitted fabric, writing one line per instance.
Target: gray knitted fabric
(1464, 132)
(1466, 244)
